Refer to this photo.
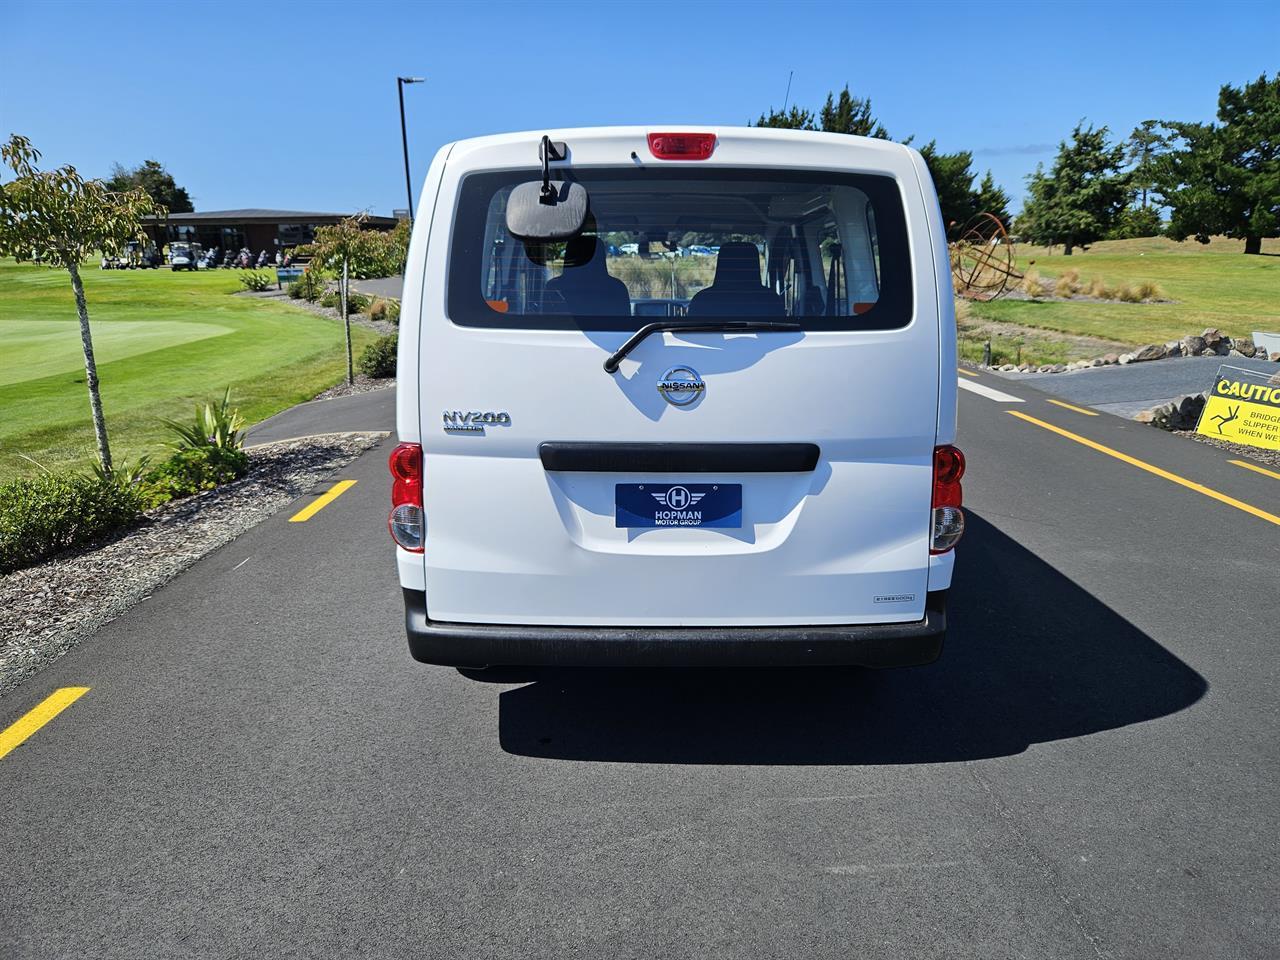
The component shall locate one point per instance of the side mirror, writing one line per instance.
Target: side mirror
(547, 211)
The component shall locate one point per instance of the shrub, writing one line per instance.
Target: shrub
(307, 287)
(356, 302)
(1128, 294)
(44, 515)
(1033, 285)
(190, 471)
(393, 312)
(215, 425)
(379, 358)
(1147, 290)
(1097, 288)
(256, 282)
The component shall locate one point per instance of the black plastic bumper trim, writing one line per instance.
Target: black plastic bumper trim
(490, 645)
(679, 457)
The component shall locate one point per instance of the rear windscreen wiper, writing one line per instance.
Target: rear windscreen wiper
(694, 326)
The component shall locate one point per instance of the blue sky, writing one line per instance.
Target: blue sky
(294, 106)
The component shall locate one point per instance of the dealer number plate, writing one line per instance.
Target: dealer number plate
(678, 505)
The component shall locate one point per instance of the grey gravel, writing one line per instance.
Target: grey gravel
(45, 610)
(363, 384)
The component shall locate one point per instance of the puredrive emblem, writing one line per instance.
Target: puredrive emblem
(681, 386)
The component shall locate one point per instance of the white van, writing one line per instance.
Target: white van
(616, 458)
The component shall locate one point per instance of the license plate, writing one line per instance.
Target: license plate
(678, 505)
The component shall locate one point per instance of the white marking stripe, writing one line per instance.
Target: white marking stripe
(982, 390)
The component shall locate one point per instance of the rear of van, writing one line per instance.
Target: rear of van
(708, 422)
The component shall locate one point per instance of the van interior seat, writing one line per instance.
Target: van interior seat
(585, 287)
(736, 290)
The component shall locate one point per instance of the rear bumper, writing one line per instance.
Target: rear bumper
(488, 645)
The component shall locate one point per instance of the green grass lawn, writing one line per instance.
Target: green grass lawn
(163, 341)
(1213, 285)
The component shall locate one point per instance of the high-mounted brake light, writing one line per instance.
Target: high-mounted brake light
(682, 146)
(407, 521)
(948, 518)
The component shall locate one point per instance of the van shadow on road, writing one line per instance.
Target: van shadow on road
(1030, 658)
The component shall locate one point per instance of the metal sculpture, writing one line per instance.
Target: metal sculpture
(983, 261)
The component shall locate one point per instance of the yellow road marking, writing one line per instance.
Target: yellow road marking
(967, 373)
(1087, 413)
(322, 501)
(1255, 468)
(48, 708)
(1142, 465)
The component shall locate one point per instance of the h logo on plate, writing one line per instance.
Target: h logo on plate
(678, 498)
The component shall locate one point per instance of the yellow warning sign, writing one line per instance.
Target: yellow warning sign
(1243, 407)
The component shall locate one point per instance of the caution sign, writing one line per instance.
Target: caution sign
(1243, 407)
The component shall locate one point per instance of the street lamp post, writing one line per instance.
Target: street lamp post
(404, 138)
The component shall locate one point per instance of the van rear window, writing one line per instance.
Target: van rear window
(826, 250)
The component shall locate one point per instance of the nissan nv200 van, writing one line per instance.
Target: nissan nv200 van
(676, 396)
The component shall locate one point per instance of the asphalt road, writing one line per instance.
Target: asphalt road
(259, 769)
(1129, 389)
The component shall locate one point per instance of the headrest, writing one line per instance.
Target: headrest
(583, 250)
(738, 265)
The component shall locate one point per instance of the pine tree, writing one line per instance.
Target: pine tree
(1081, 198)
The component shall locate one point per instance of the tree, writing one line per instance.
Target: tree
(346, 248)
(843, 114)
(1224, 178)
(991, 199)
(158, 183)
(1081, 198)
(953, 179)
(794, 119)
(1145, 144)
(850, 114)
(56, 217)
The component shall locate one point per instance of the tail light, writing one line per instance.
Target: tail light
(407, 520)
(948, 518)
(682, 146)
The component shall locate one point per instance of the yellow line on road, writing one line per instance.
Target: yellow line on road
(1067, 406)
(1142, 465)
(1255, 468)
(14, 735)
(967, 373)
(322, 501)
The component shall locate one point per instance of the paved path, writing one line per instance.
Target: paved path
(1134, 387)
(381, 287)
(375, 410)
(1091, 770)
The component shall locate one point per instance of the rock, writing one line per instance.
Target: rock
(1152, 351)
(1244, 346)
(1212, 337)
(1058, 368)
(1096, 362)
(1025, 368)
(1222, 347)
(1111, 358)
(1192, 345)
(1044, 368)
(1007, 368)
(1173, 348)
(1180, 414)
(1275, 355)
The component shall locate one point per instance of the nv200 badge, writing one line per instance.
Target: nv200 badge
(474, 421)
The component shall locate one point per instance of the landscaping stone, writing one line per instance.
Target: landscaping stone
(1244, 346)
(1173, 348)
(1180, 414)
(1152, 351)
(1192, 345)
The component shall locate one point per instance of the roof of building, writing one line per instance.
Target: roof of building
(260, 215)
